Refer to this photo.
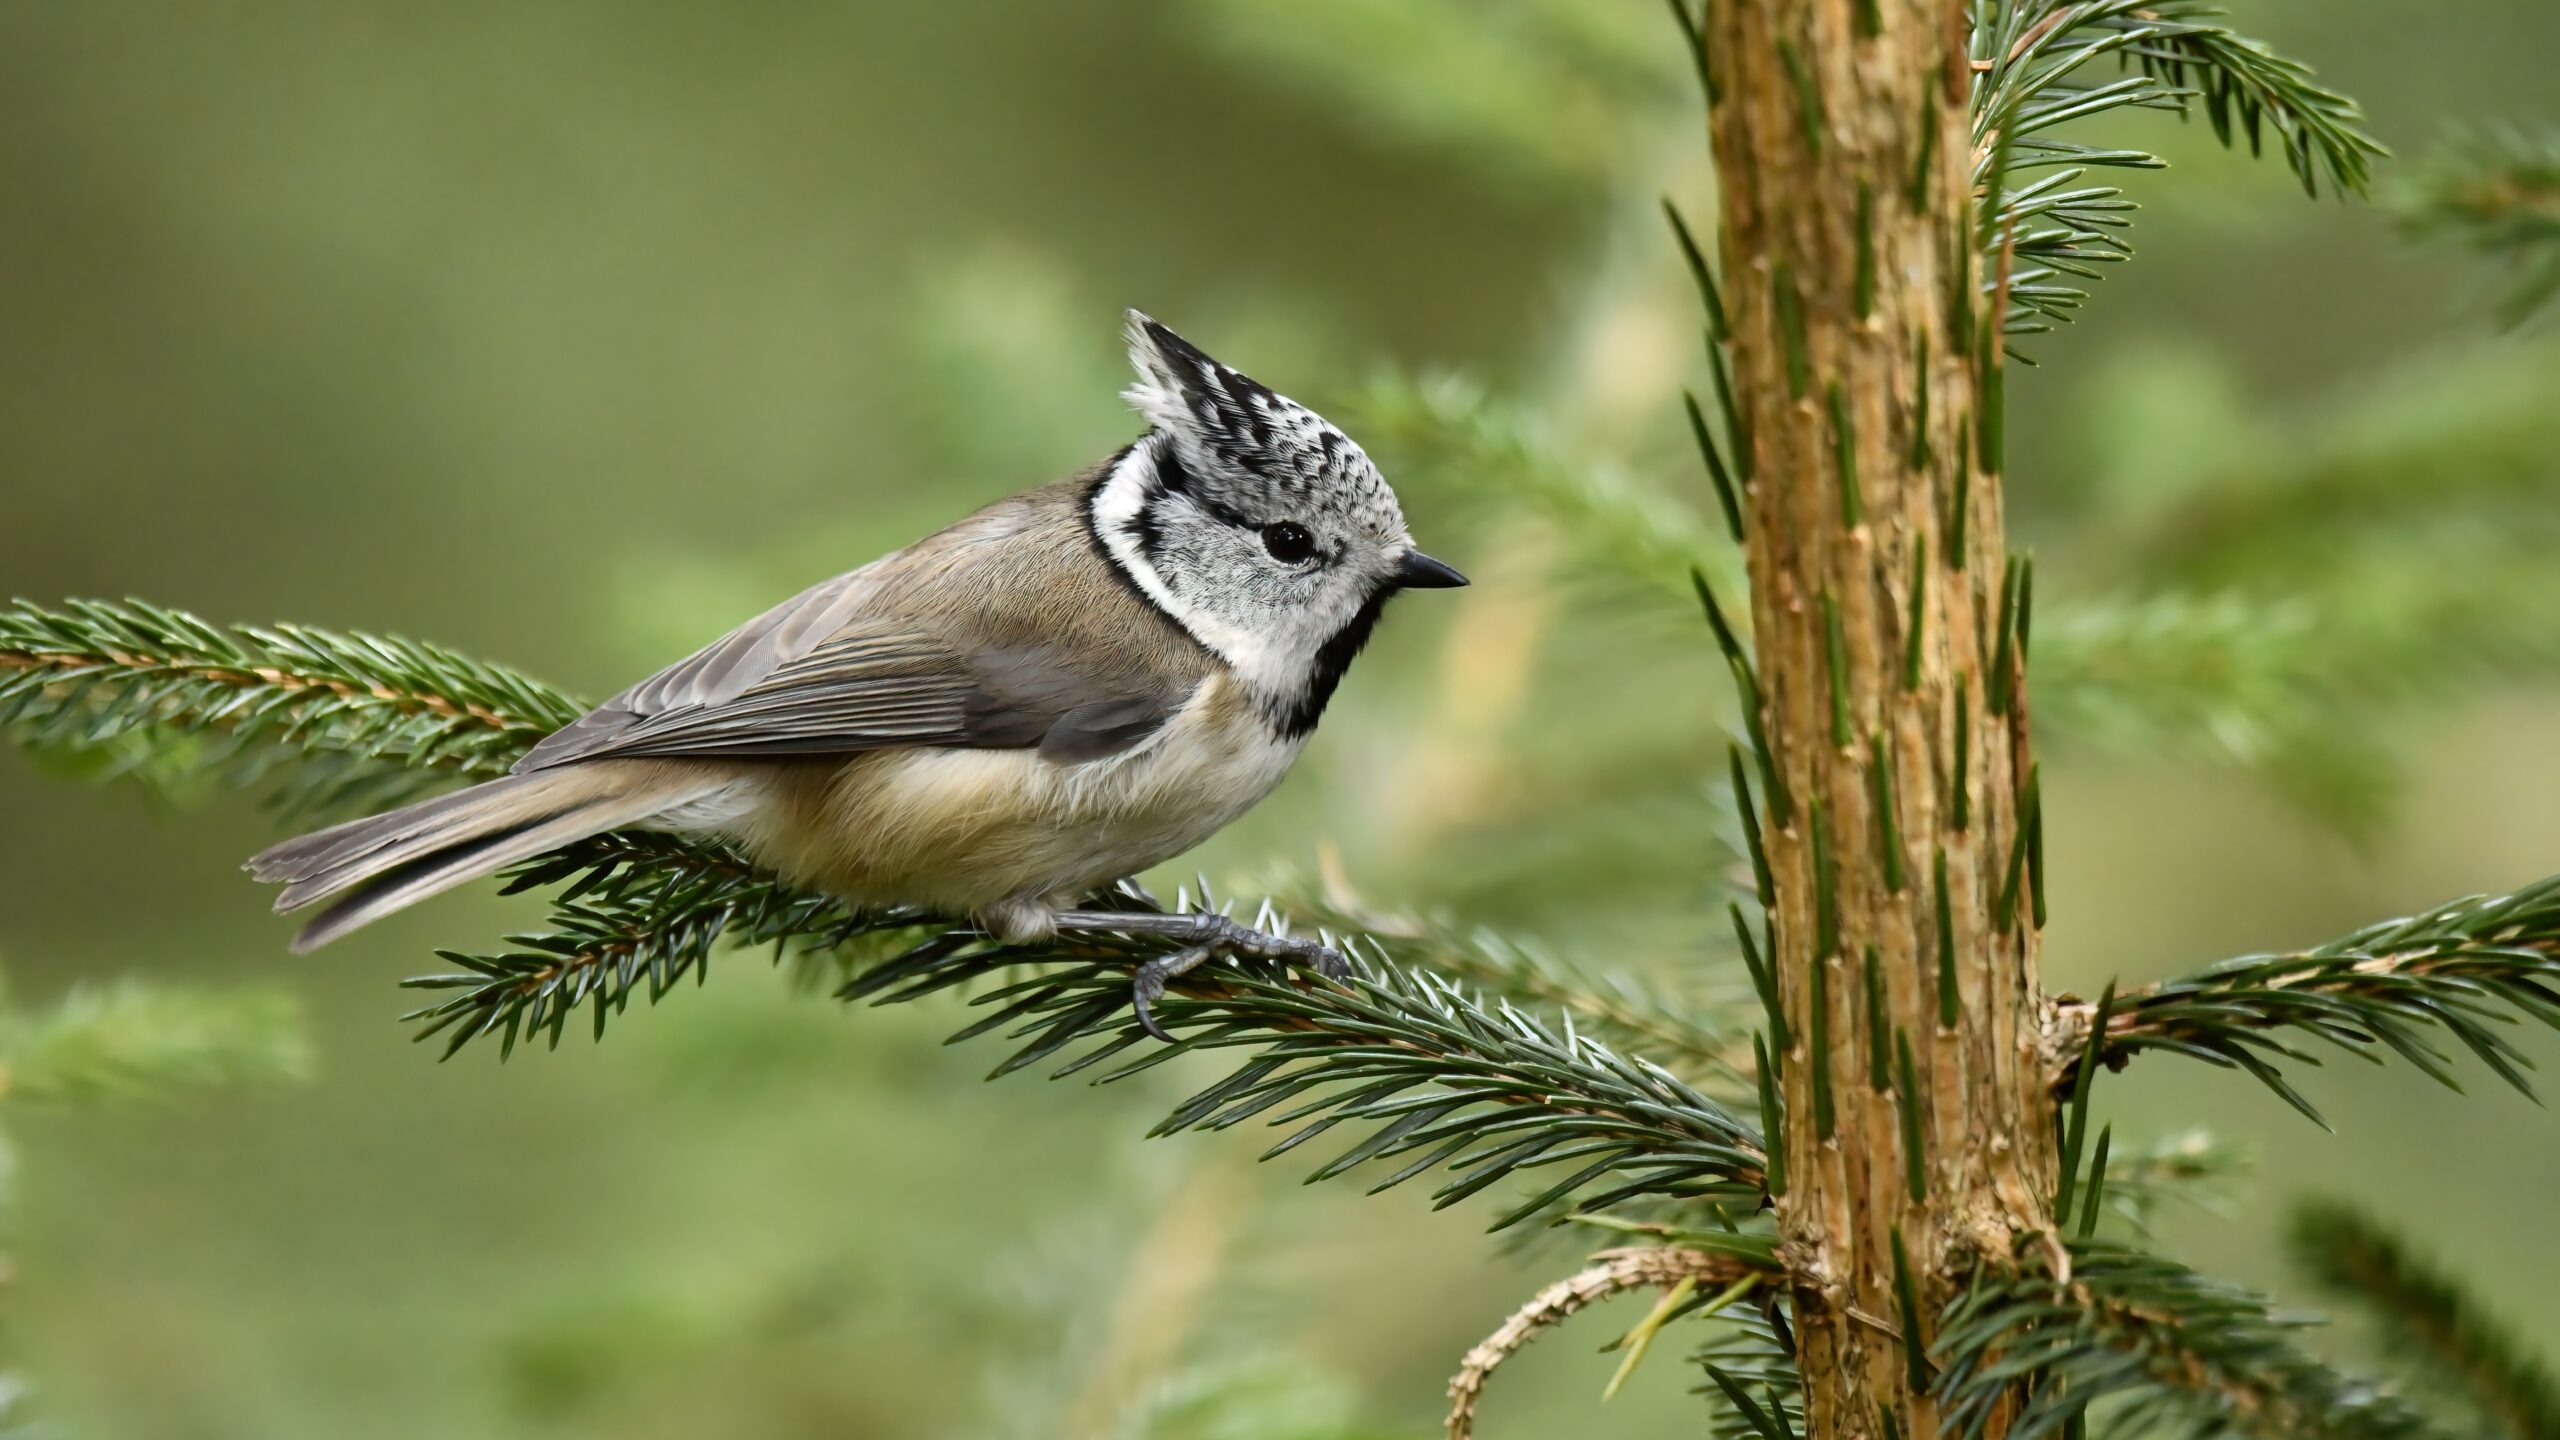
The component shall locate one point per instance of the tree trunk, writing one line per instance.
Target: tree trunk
(1866, 384)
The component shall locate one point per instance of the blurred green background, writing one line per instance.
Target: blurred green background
(569, 334)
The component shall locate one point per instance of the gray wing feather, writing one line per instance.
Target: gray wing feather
(816, 675)
(1105, 727)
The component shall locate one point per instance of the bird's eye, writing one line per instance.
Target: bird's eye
(1288, 542)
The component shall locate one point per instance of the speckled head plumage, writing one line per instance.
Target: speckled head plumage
(1255, 523)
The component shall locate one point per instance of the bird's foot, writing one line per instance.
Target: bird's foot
(1214, 935)
(1200, 936)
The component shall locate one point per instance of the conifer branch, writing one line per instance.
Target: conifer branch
(1623, 1004)
(639, 913)
(2289, 686)
(1706, 1034)
(2224, 678)
(2453, 447)
(2465, 968)
(134, 688)
(129, 1041)
(2496, 192)
(2193, 1167)
(2030, 59)
(2432, 1323)
(1753, 1349)
(2026, 55)
(2314, 579)
(2248, 90)
(1486, 1091)
(2159, 1344)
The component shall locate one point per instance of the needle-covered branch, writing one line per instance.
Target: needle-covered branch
(2247, 90)
(2496, 192)
(637, 912)
(1486, 1090)
(1698, 1034)
(2154, 1342)
(2465, 968)
(1439, 1079)
(130, 1041)
(1432, 1073)
(332, 720)
(2433, 1325)
(2032, 65)
(2193, 1168)
(1752, 1350)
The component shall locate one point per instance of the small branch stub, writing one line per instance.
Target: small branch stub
(1615, 1272)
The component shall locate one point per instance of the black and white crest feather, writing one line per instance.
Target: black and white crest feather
(1223, 421)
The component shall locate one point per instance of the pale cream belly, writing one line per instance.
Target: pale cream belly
(968, 831)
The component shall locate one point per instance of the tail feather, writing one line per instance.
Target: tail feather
(321, 851)
(388, 862)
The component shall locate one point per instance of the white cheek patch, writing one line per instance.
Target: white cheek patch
(1117, 504)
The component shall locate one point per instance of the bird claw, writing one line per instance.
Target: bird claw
(1218, 935)
(1144, 992)
(1147, 986)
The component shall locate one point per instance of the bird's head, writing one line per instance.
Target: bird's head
(1259, 527)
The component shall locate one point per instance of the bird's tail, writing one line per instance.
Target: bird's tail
(388, 862)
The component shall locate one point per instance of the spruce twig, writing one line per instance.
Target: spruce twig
(2160, 1344)
(1485, 1090)
(2032, 59)
(2496, 192)
(2464, 968)
(2434, 1325)
(329, 720)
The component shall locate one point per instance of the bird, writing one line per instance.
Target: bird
(991, 725)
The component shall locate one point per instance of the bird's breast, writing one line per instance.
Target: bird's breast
(959, 830)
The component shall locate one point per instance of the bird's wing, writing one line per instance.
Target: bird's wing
(833, 671)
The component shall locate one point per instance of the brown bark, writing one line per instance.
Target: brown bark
(1841, 141)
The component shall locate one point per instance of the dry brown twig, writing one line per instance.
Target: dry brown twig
(1614, 1272)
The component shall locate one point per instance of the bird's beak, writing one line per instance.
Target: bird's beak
(1417, 571)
